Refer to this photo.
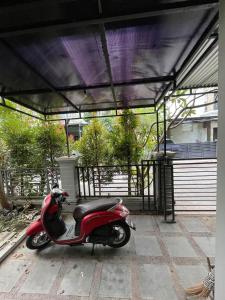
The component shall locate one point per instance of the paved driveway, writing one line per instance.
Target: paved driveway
(160, 260)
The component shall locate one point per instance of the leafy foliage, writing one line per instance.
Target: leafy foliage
(49, 142)
(125, 137)
(16, 135)
(29, 144)
(93, 145)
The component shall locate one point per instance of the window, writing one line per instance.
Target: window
(215, 129)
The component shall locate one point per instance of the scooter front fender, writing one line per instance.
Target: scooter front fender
(34, 227)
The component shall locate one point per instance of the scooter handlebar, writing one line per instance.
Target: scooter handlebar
(60, 194)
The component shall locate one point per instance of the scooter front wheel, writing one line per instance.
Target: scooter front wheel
(38, 240)
(122, 231)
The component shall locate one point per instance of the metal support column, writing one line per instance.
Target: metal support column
(67, 138)
(164, 162)
(157, 129)
(164, 124)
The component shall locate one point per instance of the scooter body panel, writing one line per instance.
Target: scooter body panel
(96, 220)
(34, 227)
(37, 226)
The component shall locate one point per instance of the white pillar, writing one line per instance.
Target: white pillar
(69, 177)
(220, 214)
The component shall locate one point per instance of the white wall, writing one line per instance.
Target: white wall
(190, 133)
(220, 217)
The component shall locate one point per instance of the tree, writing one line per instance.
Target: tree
(32, 147)
(126, 142)
(95, 151)
(179, 106)
(3, 158)
(125, 137)
(184, 107)
(16, 134)
(49, 143)
(94, 145)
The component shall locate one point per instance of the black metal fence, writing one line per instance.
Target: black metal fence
(24, 183)
(193, 150)
(141, 183)
(103, 181)
(151, 186)
(195, 184)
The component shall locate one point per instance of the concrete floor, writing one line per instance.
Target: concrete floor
(159, 261)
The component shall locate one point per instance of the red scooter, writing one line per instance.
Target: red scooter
(98, 222)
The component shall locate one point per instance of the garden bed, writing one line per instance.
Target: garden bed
(17, 219)
(12, 227)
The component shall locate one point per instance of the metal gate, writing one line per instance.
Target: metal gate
(158, 193)
(195, 184)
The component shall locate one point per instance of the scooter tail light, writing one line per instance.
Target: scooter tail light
(115, 206)
(123, 211)
(65, 194)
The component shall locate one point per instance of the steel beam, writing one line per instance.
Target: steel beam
(198, 93)
(158, 10)
(99, 86)
(20, 111)
(99, 109)
(100, 117)
(34, 3)
(107, 61)
(12, 99)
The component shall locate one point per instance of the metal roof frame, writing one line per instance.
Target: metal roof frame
(160, 79)
(3, 104)
(207, 33)
(154, 10)
(52, 88)
(145, 9)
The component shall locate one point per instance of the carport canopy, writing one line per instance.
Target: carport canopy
(67, 56)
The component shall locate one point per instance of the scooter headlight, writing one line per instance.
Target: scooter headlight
(43, 202)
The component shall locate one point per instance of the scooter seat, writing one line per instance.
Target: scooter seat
(97, 205)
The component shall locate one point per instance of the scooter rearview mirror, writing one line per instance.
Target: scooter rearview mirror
(55, 186)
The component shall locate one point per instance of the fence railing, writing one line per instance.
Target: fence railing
(191, 183)
(143, 182)
(25, 183)
(195, 184)
(193, 150)
(103, 181)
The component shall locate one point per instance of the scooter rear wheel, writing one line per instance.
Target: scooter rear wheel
(123, 235)
(38, 240)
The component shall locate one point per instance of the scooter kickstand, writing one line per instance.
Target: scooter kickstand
(93, 249)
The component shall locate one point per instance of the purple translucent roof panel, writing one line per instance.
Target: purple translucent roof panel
(152, 49)
(139, 92)
(13, 75)
(137, 103)
(89, 97)
(67, 59)
(42, 102)
(98, 106)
